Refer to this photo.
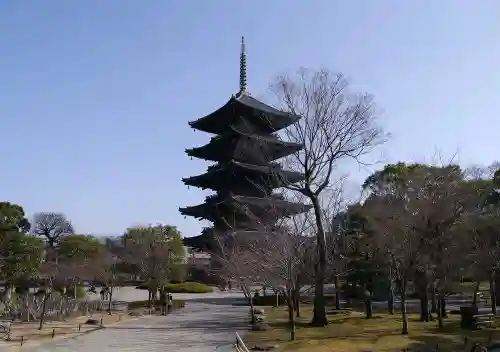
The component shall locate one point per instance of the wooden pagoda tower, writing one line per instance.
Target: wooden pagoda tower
(244, 148)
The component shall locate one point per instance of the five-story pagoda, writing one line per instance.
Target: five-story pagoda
(244, 148)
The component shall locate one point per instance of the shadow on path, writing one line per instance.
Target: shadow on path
(221, 301)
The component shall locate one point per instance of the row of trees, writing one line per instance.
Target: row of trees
(424, 225)
(431, 226)
(420, 229)
(49, 254)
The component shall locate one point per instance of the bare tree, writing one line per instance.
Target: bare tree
(232, 262)
(395, 241)
(51, 226)
(484, 255)
(336, 124)
(106, 271)
(280, 258)
(337, 244)
(50, 273)
(425, 213)
(442, 200)
(155, 250)
(281, 261)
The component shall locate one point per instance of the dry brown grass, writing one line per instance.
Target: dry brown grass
(353, 333)
(29, 333)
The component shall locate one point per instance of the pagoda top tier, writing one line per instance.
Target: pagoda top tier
(245, 147)
(246, 114)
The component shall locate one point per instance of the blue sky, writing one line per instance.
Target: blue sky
(96, 95)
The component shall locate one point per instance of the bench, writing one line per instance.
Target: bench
(484, 319)
(5, 329)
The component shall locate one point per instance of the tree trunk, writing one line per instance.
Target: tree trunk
(492, 293)
(319, 311)
(433, 299)
(424, 305)
(8, 293)
(291, 314)
(110, 299)
(337, 292)
(442, 306)
(368, 304)
(296, 301)
(248, 295)
(404, 314)
(475, 296)
(44, 307)
(252, 312)
(27, 307)
(390, 299)
(245, 291)
(440, 312)
(150, 295)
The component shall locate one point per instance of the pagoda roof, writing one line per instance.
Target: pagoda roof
(263, 117)
(224, 147)
(215, 207)
(221, 175)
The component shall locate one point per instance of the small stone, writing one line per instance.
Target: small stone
(259, 327)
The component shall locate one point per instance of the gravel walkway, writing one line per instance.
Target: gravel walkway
(205, 323)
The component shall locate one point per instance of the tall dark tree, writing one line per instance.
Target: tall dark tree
(12, 218)
(20, 254)
(52, 227)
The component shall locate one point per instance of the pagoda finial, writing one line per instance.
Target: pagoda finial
(243, 68)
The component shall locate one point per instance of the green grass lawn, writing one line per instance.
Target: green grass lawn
(354, 333)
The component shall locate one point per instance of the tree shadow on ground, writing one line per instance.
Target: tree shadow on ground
(220, 301)
(428, 343)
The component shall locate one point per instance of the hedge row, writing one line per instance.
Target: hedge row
(268, 300)
(189, 287)
(185, 287)
(176, 303)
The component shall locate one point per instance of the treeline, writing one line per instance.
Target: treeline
(426, 227)
(420, 229)
(49, 254)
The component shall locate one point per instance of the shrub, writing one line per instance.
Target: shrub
(185, 287)
(80, 292)
(268, 300)
(467, 279)
(178, 273)
(188, 287)
(460, 288)
(176, 303)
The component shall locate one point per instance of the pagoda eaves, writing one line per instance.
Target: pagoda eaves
(241, 174)
(244, 147)
(217, 207)
(258, 116)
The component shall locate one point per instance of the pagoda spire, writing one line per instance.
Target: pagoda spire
(243, 68)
